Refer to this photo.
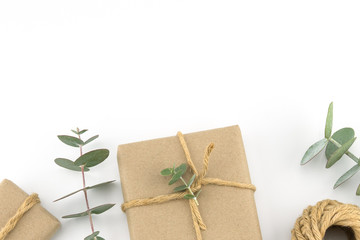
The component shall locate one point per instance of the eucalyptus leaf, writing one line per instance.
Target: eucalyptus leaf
(329, 121)
(102, 208)
(198, 193)
(180, 188)
(96, 210)
(166, 171)
(346, 176)
(68, 164)
(74, 132)
(92, 236)
(91, 187)
(68, 195)
(91, 139)
(82, 131)
(92, 158)
(341, 136)
(358, 190)
(191, 180)
(179, 171)
(189, 196)
(339, 153)
(71, 141)
(314, 150)
(182, 167)
(99, 238)
(76, 215)
(100, 184)
(175, 177)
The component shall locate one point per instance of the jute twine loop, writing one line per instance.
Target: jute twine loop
(200, 180)
(29, 202)
(314, 222)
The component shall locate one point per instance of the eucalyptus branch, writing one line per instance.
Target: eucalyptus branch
(189, 189)
(84, 185)
(83, 164)
(336, 146)
(177, 174)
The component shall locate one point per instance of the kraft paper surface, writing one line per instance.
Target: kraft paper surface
(36, 224)
(229, 213)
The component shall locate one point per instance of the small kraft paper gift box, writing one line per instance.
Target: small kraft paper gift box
(24, 215)
(226, 209)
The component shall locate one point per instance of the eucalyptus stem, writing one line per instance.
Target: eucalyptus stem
(86, 199)
(84, 190)
(348, 153)
(188, 188)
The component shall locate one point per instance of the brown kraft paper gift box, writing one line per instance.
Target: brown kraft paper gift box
(229, 213)
(36, 224)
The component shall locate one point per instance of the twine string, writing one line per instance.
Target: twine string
(200, 180)
(29, 202)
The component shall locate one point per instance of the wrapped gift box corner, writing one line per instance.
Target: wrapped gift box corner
(36, 224)
(229, 213)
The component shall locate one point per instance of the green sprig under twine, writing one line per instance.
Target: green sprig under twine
(176, 175)
(83, 164)
(336, 146)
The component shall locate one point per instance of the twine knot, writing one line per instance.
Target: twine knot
(314, 222)
(200, 180)
(29, 202)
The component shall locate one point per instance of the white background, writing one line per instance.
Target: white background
(140, 69)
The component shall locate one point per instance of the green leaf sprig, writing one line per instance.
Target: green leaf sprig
(83, 164)
(336, 146)
(176, 175)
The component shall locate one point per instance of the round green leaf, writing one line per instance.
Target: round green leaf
(179, 171)
(189, 196)
(100, 184)
(92, 236)
(91, 139)
(68, 164)
(198, 193)
(346, 176)
(182, 167)
(358, 190)
(166, 171)
(180, 188)
(314, 150)
(92, 158)
(329, 121)
(96, 210)
(83, 131)
(175, 178)
(71, 141)
(91, 187)
(102, 208)
(339, 153)
(191, 180)
(76, 215)
(341, 136)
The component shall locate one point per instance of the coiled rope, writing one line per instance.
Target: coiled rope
(314, 222)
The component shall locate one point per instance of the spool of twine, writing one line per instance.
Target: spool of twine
(314, 222)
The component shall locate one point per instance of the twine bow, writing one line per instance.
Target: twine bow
(200, 180)
(29, 202)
